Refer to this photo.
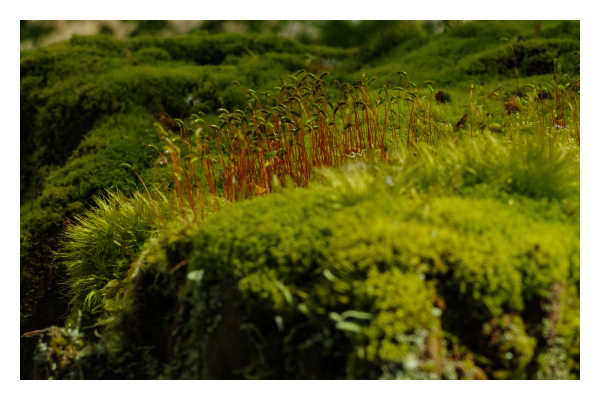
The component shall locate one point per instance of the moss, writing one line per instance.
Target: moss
(62, 354)
(67, 87)
(357, 285)
(351, 269)
(100, 43)
(511, 345)
(86, 107)
(534, 57)
(402, 302)
(63, 192)
(564, 29)
(57, 350)
(152, 54)
(461, 56)
(86, 103)
(213, 49)
(359, 277)
(406, 34)
(491, 30)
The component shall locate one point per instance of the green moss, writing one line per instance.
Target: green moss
(86, 107)
(511, 345)
(307, 284)
(402, 303)
(462, 56)
(152, 54)
(564, 29)
(534, 57)
(213, 49)
(369, 257)
(371, 267)
(67, 87)
(57, 350)
(62, 192)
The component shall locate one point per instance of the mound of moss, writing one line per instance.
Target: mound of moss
(472, 53)
(68, 87)
(355, 280)
(371, 274)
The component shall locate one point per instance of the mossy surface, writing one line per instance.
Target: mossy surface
(318, 284)
(87, 106)
(472, 53)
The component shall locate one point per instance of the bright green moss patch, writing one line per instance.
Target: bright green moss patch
(388, 257)
(379, 285)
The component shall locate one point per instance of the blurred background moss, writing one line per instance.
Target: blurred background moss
(329, 33)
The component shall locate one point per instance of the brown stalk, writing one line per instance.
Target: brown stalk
(471, 111)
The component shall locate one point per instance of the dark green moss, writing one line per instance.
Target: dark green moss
(534, 57)
(213, 49)
(563, 30)
(461, 55)
(87, 103)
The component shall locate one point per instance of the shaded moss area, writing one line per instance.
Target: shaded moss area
(87, 106)
(68, 87)
(472, 53)
(307, 284)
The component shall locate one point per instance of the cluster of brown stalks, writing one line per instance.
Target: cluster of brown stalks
(563, 87)
(286, 134)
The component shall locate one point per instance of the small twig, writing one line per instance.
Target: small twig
(470, 111)
(181, 264)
